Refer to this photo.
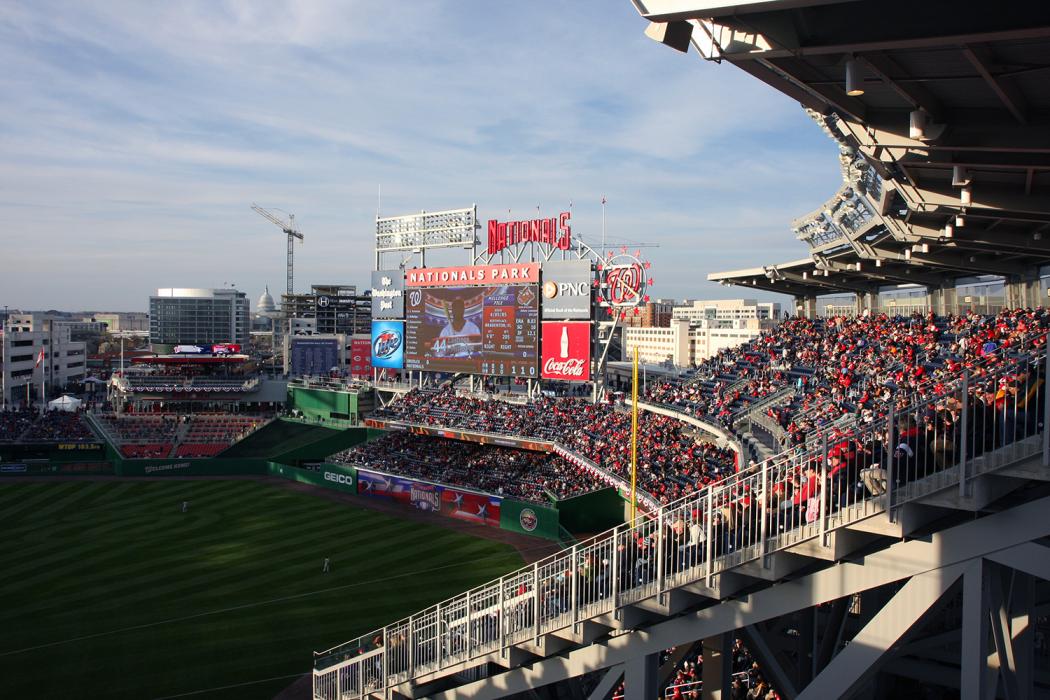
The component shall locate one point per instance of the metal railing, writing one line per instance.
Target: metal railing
(972, 426)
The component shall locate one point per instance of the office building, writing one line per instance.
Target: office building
(180, 316)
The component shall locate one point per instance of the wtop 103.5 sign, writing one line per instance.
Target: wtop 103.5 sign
(388, 344)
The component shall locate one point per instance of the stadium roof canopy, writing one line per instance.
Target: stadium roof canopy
(944, 135)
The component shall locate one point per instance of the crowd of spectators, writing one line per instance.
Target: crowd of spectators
(27, 425)
(503, 471)
(672, 460)
(849, 369)
(746, 679)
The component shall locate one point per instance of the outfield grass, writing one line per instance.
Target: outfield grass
(124, 596)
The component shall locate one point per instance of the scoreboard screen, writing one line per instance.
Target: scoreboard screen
(476, 330)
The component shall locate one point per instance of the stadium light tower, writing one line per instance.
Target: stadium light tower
(289, 228)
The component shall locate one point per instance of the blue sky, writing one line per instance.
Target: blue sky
(134, 137)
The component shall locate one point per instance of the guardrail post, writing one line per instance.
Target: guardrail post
(470, 630)
(764, 525)
(386, 660)
(964, 432)
(660, 554)
(825, 490)
(574, 570)
(536, 601)
(438, 641)
(410, 639)
(890, 447)
(1046, 406)
(614, 589)
(710, 534)
(502, 622)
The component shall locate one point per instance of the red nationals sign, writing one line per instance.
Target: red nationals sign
(566, 351)
(361, 358)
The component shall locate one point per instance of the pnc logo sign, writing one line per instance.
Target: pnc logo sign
(552, 289)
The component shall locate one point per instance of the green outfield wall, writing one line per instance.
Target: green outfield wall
(593, 512)
(529, 519)
(331, 476)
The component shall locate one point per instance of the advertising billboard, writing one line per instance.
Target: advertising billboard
(490, 330)
(313, 357)
(456, 503)
(217, 349)
(388, 294)
(388, 344)
(567, 351)
(361, 357)
(566, 289)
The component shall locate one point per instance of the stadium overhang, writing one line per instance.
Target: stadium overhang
(941, 111)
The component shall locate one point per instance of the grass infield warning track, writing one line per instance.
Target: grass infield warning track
(108, 590)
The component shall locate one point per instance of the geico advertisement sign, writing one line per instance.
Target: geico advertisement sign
(345, 479)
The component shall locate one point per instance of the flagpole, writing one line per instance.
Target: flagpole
(603, 227)
(634, 436)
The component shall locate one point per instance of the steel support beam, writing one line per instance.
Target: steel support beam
(639, 677)
(975, 675)
(860, 659)
(755, 639)
(718, 665)
(1007, 92)
(607, 684)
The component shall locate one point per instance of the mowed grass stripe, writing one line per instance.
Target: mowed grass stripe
(378, 557)
(31, 553)
(147, 506)
(73, 493)
(289, 564)
(248, 644)
(41, 536)
(252, 642)
(44, 493)
(148, 578)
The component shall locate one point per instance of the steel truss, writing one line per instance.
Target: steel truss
(975, 555)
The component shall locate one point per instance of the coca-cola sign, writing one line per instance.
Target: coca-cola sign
(566, 351)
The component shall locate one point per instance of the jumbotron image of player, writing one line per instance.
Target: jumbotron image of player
(459, 336)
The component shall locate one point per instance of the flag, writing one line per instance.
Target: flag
(39, 358)
(603, 199)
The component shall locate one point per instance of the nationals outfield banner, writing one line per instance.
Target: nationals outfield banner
(435, 498)
(566, 351)
(483, 438)
(361, 358)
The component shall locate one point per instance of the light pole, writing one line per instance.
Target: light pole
(3, 362)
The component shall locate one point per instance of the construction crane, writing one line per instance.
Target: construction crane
(289, 228)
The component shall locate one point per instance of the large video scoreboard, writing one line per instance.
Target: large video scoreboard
(477, 320)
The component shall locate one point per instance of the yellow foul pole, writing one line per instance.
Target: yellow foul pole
(634, 436)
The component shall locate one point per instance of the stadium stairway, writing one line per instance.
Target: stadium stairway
(557, 619)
